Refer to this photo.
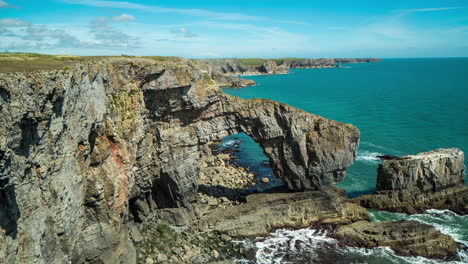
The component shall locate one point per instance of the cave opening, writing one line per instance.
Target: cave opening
(237, 167)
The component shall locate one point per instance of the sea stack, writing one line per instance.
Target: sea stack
(412, 184)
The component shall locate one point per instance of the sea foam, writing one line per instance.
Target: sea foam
(368, 156)
(309, 246)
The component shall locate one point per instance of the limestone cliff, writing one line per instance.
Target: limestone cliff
(89, 149)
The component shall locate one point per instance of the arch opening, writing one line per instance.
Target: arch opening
(237, 167)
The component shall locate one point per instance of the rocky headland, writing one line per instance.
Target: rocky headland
(111, 161)
(227, 71)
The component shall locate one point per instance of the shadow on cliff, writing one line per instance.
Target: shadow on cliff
(235, 194)
(9, 211)
(218, 191)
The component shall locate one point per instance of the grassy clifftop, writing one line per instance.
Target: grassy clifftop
(27, 62)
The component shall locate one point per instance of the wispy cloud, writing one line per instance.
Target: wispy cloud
(181, 11)
(158, 9)
(108, 36)
(434, 9)
(21, 35)
(124, 18)
(4, 4)
(184, 32)
(13, 22)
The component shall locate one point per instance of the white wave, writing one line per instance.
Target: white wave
(282, 242)
(442, 213)
(444, 221)
(230, 143)
(388, 254)
(368, 156)
(382, 148)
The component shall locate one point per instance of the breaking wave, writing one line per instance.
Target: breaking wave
(445, 221)
(315, 246)
(229, 144)
(368, 156)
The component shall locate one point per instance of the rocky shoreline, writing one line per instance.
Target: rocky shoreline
(229, 72)
(112, 161)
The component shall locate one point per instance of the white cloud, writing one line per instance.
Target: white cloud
(108, 36)
(184, 32)
(21, 35)
(4, 4)
(13, 22)
(124, 18)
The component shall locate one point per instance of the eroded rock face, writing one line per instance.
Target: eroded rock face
(428, 171)
(87, 149)
(266, 212)
(412, 184)
(407, 238)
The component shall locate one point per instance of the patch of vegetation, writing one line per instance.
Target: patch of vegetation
(161, 238)
(163, 58)
(26, 62)
(207, 79)
(252, 61)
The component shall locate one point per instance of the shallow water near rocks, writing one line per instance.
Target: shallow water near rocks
(401, 107)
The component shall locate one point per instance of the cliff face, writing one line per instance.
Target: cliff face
(88, 149)
(241, 67)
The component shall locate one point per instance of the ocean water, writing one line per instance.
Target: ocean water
(401, 107)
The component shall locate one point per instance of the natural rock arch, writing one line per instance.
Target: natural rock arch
(306, 151)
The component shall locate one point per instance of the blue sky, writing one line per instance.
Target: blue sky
(206, 29)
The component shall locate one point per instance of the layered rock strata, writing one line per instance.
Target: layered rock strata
(412, 184)
(265, 212)
(88, 149)
(407, 238)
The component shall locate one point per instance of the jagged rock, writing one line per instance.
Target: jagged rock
(412, 184)
(268, 211)
(86, 149)
(407, 238)
(238, 67)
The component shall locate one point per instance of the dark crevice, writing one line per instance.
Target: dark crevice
(9, 211)
(167, 190)
(152, 77)
(5, 95)
(29, 136)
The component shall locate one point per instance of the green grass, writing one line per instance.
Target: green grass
(28, 62)
(252, 61)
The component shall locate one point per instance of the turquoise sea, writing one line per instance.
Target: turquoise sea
(401, 107)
